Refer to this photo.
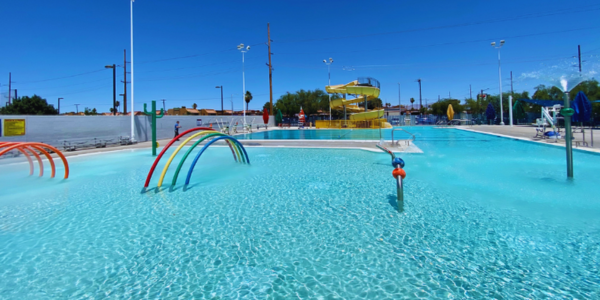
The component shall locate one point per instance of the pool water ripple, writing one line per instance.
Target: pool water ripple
(297, 223)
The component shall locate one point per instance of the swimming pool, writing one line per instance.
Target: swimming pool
(421, 133)
(484, 217)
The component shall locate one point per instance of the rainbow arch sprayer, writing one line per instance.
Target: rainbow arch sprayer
(32, 148)
(206, 134)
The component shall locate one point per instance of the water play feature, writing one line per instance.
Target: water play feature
(398, 173)
(31, 147)
(564, 79)
(239, 152)
(154, 117)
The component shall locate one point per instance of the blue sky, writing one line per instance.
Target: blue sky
(183, 49)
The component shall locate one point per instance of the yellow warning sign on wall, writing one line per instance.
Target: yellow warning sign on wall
(14, 127)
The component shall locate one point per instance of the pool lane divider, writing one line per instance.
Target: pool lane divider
(238, 152)
(23, 147)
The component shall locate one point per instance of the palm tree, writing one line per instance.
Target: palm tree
(412, 100)
(194, 105)
(248, 98)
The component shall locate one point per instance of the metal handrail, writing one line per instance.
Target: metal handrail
(397, 128)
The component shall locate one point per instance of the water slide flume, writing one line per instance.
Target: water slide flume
(366, 90)
(238, 151)
(25, 147)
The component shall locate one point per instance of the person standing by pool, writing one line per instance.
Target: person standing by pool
(177, 129)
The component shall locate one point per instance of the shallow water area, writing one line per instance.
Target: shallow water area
(484, 217)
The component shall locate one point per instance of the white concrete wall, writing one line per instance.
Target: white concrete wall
(54, 130)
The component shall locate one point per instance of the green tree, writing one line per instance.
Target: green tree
(412, 101)
(90, 112)
(310, 101)
(26, 105)
(248, 98)
(194, 105)
(372, 104)
(441, 107)
(267, 106)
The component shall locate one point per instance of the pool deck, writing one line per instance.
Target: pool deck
(527, 133)
(521, 132)
(367, 145)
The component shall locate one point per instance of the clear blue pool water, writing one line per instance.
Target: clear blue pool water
(320, 134)
(358, 134)
(484, 217)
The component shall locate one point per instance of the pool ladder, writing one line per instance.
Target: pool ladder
(398, 141)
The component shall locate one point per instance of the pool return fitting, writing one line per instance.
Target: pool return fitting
(399, 174)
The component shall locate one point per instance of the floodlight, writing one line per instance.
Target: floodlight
(493, 44)
(330, 59)
(325, 61)
(248, 48)
(501, 42)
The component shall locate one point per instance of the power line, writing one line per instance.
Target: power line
(532, 15)
(70, 76)
(441, 44)
(192, 56)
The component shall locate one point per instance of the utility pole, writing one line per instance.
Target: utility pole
(77, 108)
(399, 102)
(449, 96)
(579, 54)
(163, 100)
(114, 68)
(270, 74)
(471, 93)
(9, 87)
(59, 105)
(124, 81)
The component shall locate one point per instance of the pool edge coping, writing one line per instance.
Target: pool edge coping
(591, 150)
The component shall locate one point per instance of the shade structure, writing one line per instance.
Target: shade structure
(519, 111)
(582, 107)
(450, 112)
(265, 116)
(490, 113)
(278, 117)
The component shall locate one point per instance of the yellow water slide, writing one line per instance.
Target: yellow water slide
(368, 87)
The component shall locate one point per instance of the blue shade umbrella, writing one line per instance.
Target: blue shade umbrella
(582, 107)
(490, 112)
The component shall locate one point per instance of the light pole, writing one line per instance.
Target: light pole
(77, 108)
(420, 98)
(500, 79)
(243, 50)
(221, 87)
(328, 63)
(59, 105)
(114, 68)
(132, 104)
